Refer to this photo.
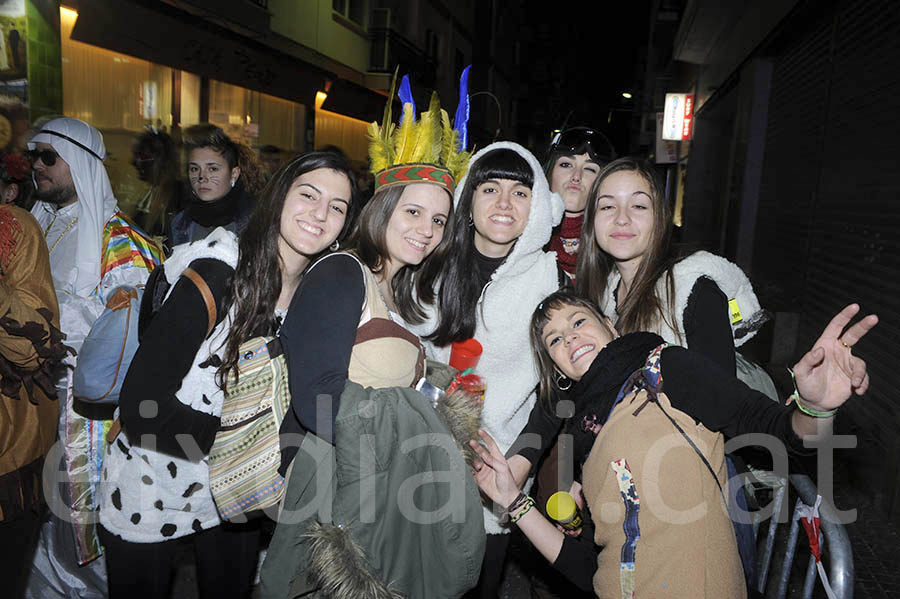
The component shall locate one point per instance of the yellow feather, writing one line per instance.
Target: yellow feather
(423, 139)
(378, 160)
(405, 139)
(435, 134)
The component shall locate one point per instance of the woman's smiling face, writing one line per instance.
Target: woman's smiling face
(573, 336)
(500, 209)
(624, 217)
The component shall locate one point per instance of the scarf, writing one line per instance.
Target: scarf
(565, 242)
(596, 392)
(217, 213)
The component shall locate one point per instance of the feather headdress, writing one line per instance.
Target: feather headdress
(423, 150)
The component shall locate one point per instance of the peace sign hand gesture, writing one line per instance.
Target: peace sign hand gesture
(829, 373)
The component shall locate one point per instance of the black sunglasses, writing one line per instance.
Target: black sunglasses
(572, 139)
(48, 157)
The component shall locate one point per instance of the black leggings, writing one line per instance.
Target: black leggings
(226, 557)
(491, 568)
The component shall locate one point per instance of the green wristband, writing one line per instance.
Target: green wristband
(795, 397)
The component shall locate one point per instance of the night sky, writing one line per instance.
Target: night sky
(579, 59)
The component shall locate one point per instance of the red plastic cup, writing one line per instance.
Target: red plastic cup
(465, 354)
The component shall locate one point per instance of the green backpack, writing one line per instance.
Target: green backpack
(246, 454)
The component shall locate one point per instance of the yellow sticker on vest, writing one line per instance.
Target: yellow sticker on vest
(735, 311)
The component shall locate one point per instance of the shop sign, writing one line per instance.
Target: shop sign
(678, 118)
(666, 150)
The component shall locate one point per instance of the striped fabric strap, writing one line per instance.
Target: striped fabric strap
(630, 525)
(416, 173)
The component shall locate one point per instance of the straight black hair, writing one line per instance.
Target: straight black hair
(459, 292)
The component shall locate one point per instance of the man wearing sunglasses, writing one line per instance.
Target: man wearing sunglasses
(94, 249)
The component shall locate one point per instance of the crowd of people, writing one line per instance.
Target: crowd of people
(593, 328)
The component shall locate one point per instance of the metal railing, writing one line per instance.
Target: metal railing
(837, 551)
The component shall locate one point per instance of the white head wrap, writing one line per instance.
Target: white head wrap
(95, 196)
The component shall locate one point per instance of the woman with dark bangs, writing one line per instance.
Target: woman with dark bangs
(495, 270)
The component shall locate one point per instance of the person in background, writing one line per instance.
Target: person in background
(30, 346)
(155, 159)
(271, 158)
(15, 180)
(225, 178)
(94, 248)
(574, 160)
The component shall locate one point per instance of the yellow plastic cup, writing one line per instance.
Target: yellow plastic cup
(562, 507)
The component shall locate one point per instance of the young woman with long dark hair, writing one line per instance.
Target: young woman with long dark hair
(494, 271)
(628, 266)
(156, 496)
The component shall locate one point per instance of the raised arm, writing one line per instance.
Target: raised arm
(829, 373)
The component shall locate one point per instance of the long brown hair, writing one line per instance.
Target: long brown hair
(411, 284)
(642, 309)
(257, 278)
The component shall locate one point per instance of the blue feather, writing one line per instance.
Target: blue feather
(405, 94)
(461, 120)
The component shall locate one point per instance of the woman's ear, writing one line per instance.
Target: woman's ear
(235, 174)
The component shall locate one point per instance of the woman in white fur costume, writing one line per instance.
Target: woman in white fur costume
(702, 301)
(494, 275)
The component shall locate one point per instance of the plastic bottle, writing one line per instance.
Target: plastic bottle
(562, 507)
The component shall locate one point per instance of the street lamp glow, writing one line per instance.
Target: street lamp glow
(626, 95)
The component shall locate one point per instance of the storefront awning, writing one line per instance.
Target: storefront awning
(353, 100)
(193, 45)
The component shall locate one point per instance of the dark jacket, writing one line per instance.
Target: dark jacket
(390, 507)
(199, 219)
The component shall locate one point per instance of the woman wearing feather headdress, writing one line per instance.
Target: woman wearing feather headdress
(346, 320)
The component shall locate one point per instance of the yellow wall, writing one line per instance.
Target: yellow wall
(310, 22)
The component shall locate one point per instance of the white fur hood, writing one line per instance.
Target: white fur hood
(546, 212)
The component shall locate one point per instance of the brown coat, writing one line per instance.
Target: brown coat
(687, 546)
(30, 344)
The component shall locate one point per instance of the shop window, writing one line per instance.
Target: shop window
(119, 95)
(124, 92)
(256, 119)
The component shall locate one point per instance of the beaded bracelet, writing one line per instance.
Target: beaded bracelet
(795, 397)
(529, 503)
